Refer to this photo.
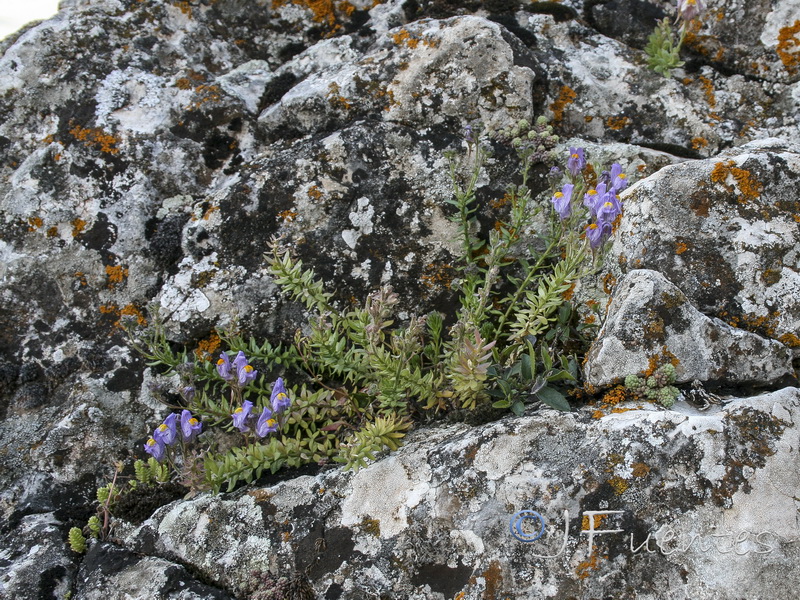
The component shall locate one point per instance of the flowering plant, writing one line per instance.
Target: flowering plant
(664, 45)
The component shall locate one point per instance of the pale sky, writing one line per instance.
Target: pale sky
(16, 13)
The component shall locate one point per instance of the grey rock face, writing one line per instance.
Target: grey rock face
(150, 149)
(701, 498)
(724, 231)
(651, 322)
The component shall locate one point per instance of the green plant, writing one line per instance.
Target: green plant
(363, 379)
(664, 45)
(657, 387)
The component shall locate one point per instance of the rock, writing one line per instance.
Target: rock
(701, 497)
(651, 322)
(725, 231)
(109, 571)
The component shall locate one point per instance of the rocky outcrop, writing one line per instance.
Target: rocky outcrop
(650, 322)
(672, 496)
(148, 152)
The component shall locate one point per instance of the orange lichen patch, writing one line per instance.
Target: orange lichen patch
(640, 469)
(322, 11)
(184, 7)
(617, 123)
(207, 348)
(699, 142)
(95, 137)
(566, 96)
(749, 187)
(610, 401)
(335, 99)
(708, 90)
(619, 485)
(597, 519)
(78, 225)
(438, 275)
(80, 276)
(203, 95)
(52, 232)
(500, 202)
(314, 192)
(131, 311)
(569, 293)
(681, 247)
(589, 319)
(287, 216)
(116, 274)
(609, 283)
(493, 576)
(664, 357)
(790, 339)
(34, 223)
(588, 118)
(403, 37)
(788, 48)
(584, 569)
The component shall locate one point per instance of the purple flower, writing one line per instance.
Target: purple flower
(244, 371)
(190, 427)
(224, 367)
(689, 9)
(266, 424)
(561, 201)
(609, 209)
(595, 197)
(597, 233)
(468, 134)
(241, 415)
(618, 180)
(154, 448)
(188, 392)
(280, 398)
(166, 432)
(576, 162)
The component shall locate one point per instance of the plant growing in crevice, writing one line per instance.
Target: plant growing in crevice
(362, 380)
(664, 44)
(656, 387)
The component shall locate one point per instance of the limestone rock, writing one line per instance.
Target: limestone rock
(701, 498)
(725, 231)
(651, 322)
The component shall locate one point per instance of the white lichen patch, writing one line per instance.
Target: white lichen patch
(362, 220)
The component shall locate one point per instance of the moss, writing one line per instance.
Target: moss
(371, 526)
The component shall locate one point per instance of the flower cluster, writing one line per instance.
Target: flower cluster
(602, 200)
(241, 374)
(167, 433)
(267, 421)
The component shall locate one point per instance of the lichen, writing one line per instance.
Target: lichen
(566, 96)
(749, 187)
(788, 47)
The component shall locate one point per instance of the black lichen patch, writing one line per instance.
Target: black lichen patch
(441, 578)
(276, 88)
(164, 239)
(323, 559)
(750, 438)
(140, 502)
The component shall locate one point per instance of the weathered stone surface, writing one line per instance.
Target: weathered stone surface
(651, 322)
(117, 574)
(725, 231)
(148, 150)
(714, 492)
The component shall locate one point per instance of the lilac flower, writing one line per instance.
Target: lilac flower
(689, 9)
(244, 371)
(224, 367)
(576, 161)
(280, 398)
(468, 134)
(241, 415)
(266, 424)
(597, 233)
(154, 448)
(595, 197)
(190, 427)
(609, 209)
(166, 432)
(561, 201)
(618, 180)
(188, 392)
